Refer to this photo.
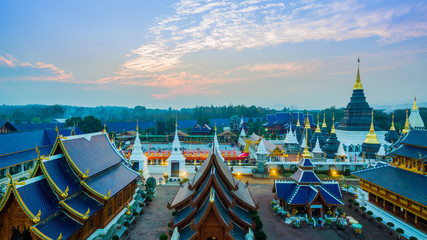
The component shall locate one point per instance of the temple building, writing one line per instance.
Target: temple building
(213, 205)
(6, 126)
(176, 160)
(392, 136)
(138, 159)
(306, 193)
(291, 144)
(317, 136)
(353, 128)
(332, 144)
(280, 121)
(399, 188)
(415, 120)
(371, 145)
(77, 189)
(317, 152)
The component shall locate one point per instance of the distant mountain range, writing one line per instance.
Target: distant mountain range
(390, 108)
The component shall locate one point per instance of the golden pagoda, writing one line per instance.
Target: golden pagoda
(372, 138)
(406, 129)
(358, 84)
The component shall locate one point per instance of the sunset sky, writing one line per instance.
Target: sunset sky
(181, 54)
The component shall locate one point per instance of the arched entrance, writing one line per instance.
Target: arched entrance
(18, 235)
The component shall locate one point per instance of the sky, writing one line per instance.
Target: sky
(163, 53)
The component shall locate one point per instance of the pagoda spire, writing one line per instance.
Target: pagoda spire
(333, 124)
(406, 129)
(415, 107)
(298, 124)
(358, 84)
(392, 128)
(324, 120)
(372, 138)
(307, 122)
(318, 124)
(306, 153)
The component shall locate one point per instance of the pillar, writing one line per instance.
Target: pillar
(384, 203)
(333, 211)
(406, 215)
(293, 211)
(309, 214)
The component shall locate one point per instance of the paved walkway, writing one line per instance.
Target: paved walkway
(387, 217)
(154, 221)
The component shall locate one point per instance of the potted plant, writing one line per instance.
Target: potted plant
(356, 204)
(350, 201)
(275, 209)
(399, 232)
(163, 237)
(370, 213)
(413, 238)
(390, 224)
(379, 219)
(363, 210)
(310, 222)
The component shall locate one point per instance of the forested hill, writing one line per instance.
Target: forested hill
(46, 113)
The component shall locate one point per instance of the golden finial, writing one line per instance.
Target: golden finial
(318, 124)
(105, 127)
(176, 121)
(298, 124)
(56, 129)
(128, 211)
(37, 151)
(372, 138)
(141, 172)
(36, 219)
(86, 216)
(65, 193)
(215, 125)
(392, 128)
(137, 128)
(8, 175)
(307, 122)
(415, 107)
(324, 120)
(211, 196)
(358, 84)
(108, 195)
(306, 153)
(406, 129)
(333, 124)
(59, 237)
(86, 174)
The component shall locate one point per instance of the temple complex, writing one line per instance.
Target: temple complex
(72, 192)
(213, 204)
(399, 188)
(306, 193)
(353, 128)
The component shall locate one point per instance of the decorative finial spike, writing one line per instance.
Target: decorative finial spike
(358, 84)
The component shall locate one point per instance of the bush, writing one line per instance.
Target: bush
(340, 211)
(169, 224)
(347, 172)
(149, 199)
(356, 204)
(370, 213)
(256, 217)
(163, 237)
(399, 230)
(363, 208)
(253, 212)
(258, 225)
(350, 200)
(260, 235)
(115, 237)
(174, 213)
(379, 219)
(134, 214)
(126, 224)
(413, 238)
(390, 224)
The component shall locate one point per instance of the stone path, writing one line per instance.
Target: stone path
(154, 221)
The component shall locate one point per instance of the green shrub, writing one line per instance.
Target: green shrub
(399, 230)
(260, 235)
(340, 211)
(256, 217)
(347, 172)
(258, 225)
(163, 237)
(390, 224)
(174, 213)
(356, 204)
(126, 224)
(115, 237)
(370, 213)
(169, 224)
(350, 200)
(148, 199)
(253, 212)
(413, 238)
(363, 208)
(379, 219)
(134, 214)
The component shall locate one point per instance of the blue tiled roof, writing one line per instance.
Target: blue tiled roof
(24, 156)
(306, 163)
(311, 194)
(200, 129)
(284, 189)
(186, 233)
(20, 141)
(237, 233)
(308, 177)
(224, 122)
(201, 211)
(62, 175)
(95, 155)
(182, 214)
(417, 137)
(81, 202)
(333, 188)
(330, 199)
(37, 195)
(184, 124)
(2, 123)
(59, 223)
(282, 118)
(114, 179)
(271, 118)
(300, 196)
(242, 214)
(223, 188)
(399, 181)
(200, 190)
(39, 126)
(221, 209)
(129, 126)
(410, 151)
(52, 134)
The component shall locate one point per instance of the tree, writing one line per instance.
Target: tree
(90, 124)
(73, 121)
(161, 127)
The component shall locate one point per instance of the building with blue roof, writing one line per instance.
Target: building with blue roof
(399, 188)
(6, 126)
(305, 193)
(281, 121)
(80, 186)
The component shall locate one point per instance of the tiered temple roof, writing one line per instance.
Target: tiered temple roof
(70, 186)
(392, 136)
(213, 198)
(317, 136)
(332, 144)
(415, 119)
